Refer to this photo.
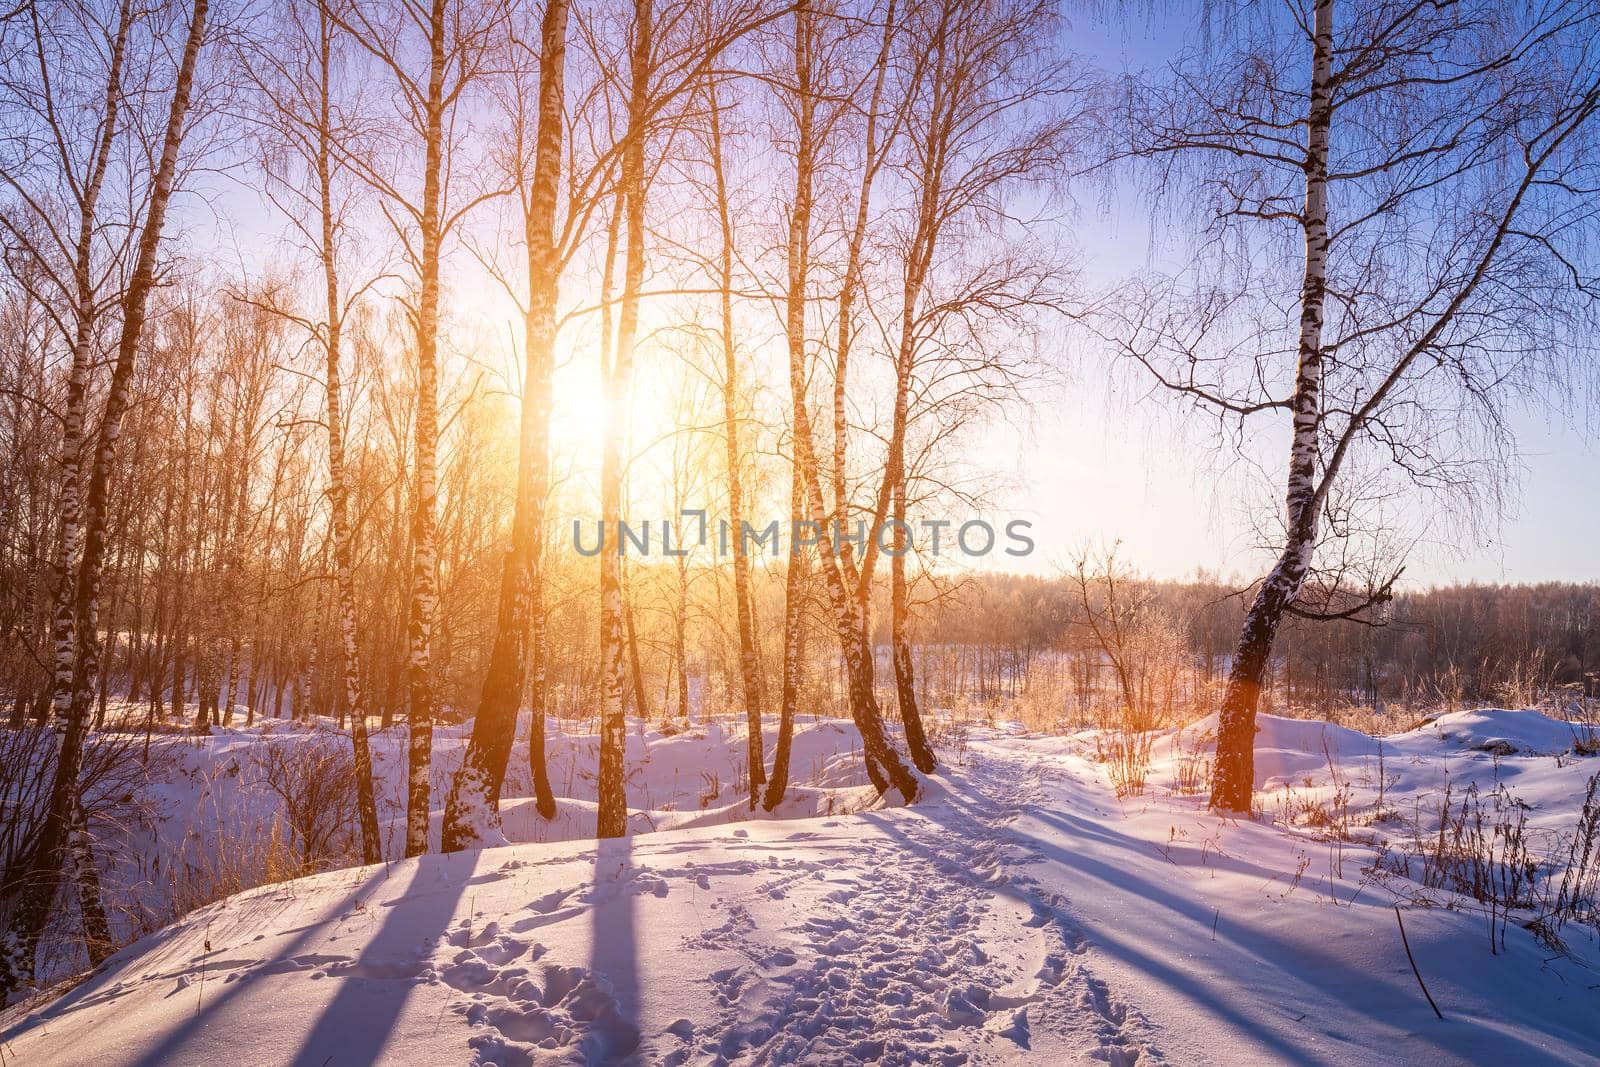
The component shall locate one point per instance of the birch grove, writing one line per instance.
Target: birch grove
(482, 394)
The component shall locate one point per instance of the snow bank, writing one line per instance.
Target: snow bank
(1504, 732)
(205, 818)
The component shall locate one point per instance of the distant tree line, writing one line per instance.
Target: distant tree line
(1438, 648)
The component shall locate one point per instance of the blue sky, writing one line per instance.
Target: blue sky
(1098, 467)
(1097, 472)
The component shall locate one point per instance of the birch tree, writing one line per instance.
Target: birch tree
(306, 164)
(1408, 180)
(749, 669)
(616, 375)
(877, 135)
(67, 88)
(475, 793)
(33, 895)
(884, 765)
(975, 129)
(433, 51)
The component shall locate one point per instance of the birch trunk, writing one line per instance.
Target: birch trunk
(933, 151)
(612, 816)
(63, 632)
(38, 887)
(338, 485)
(894, 483)
(538, 703)
(900, 641)
(472, 808)
(640, 700)
(884, 765)
(793, 650)
(424, 549)
(1233, 780)
(680, 643)
(178, 638)
(894, 490)
(749, 670)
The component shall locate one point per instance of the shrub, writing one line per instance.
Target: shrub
(314, 779)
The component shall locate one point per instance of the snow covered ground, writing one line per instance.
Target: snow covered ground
(1020, 911)
(201, 824)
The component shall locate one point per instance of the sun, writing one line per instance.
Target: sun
(490, 323)
(580, 413)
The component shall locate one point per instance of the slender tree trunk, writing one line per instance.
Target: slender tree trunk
(254, 687)
(640, 700)
(137, 660)
(188, 536)
(85, 314)
(612, 816)
(538, 706)
(680, 644)
(900, 643)
(793, 649)
(396, 691)
(231, 531)
(97, 941)
(306, 682)
(162, 578)
(230, 679)
(180, 671)
(1233, 780)
(424, 547)
(895, 478)
(114, 597)
(38, 888)
(204, 672)
(749, 669)
(538, 678)
(884, 764)
(338, 483)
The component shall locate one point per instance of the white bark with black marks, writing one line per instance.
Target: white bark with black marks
(471, 810)
(37, 888)
(1233, 778)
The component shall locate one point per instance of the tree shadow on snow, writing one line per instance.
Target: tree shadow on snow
(110, 983)
(614, 952)
(1257, 1025)
(173, 1046)
(357, 1023)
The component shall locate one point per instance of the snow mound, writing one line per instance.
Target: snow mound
(1505, 732)
(1287, 750)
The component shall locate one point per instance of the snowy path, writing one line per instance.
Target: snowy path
(891, 936)
(912, 943)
